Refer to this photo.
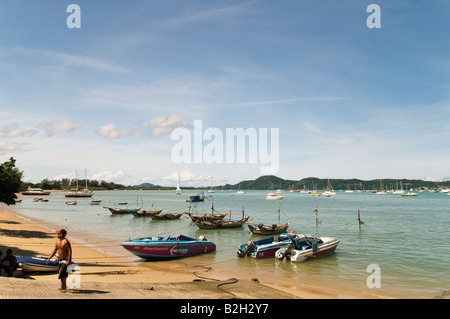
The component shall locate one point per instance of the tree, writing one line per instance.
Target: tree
(10, 180)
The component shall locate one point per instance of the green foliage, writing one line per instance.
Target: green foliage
(10, 181)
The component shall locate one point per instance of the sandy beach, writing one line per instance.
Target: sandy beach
(107, 276)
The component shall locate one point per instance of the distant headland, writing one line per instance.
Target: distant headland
(267, 182)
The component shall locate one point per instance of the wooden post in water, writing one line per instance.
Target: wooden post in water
(360, 222)
(279, 210)
(317, 215)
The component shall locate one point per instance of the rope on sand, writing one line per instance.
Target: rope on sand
(227, 282)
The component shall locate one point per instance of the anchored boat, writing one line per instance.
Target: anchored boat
(263, 248)
(304, 247)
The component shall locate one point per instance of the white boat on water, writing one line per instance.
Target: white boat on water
(77, 193)
(304, 247)
(178, 190)
(328, 192)
(273, 196)
(35, 191)
(409, 194)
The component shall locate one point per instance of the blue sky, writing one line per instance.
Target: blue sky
(349, 101)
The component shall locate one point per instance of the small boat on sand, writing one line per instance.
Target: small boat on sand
(305, 247)
(263, 248)
(38, 264)
(159, 248)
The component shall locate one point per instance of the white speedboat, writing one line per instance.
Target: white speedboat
(273, 196)
(304, 247)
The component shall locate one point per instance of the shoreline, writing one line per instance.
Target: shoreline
(28, 238)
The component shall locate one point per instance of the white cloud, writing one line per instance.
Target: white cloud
(77, 60)
(165, 124)
(110, 132)
(6, 148)
(187, 178)
(13, 130)
(282, 101)
(53, 128)
(109, 176)
(65, 59)
(202, 16)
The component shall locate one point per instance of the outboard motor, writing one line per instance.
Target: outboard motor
(284, 252)
(314, 246)
(248, 249)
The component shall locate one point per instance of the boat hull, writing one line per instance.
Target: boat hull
(268, 230)
(327, 247)
(263, 248)
(217, 224)
(78, 194)
(38, 264)
(154, 248)
(36, 193)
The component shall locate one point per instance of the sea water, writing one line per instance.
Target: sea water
(407, 238)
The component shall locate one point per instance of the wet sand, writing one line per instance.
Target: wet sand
(125, 278)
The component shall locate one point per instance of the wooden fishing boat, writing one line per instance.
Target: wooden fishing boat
(146, 213)
(157, 248)
(305, 247)
(206, 217)
(222, 223)
(263, 248)
(72, 202)
(123, 210)
(96, 201)
(166, 216)
(38, 264)
(260, 229)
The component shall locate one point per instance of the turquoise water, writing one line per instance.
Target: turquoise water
(407, 237)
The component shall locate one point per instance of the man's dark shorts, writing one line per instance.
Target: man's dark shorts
(63, 269)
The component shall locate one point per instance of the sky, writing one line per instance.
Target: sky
(118, 97)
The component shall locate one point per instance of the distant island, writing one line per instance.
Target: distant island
(268, 182)
(273, 182)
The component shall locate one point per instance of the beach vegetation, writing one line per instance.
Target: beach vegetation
(10, 181)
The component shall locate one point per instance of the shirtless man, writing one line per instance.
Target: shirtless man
(64, 250)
